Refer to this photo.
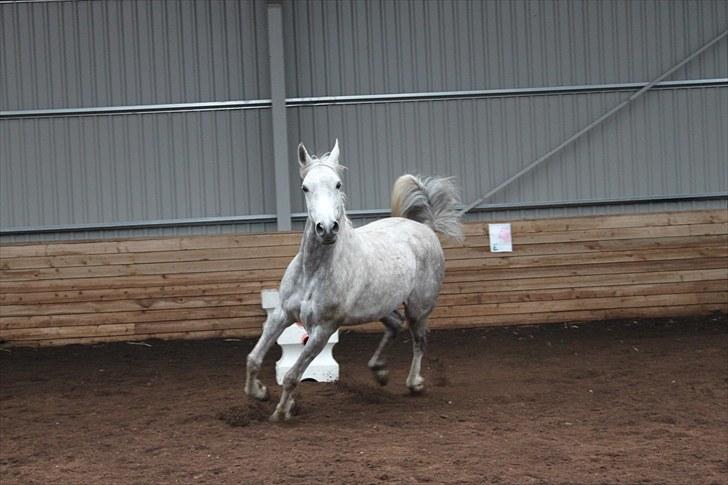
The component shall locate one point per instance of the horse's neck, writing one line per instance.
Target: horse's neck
(318, 258)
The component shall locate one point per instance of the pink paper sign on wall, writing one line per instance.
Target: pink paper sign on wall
(500, 238)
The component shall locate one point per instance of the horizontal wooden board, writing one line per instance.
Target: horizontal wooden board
(564, 269)
(76, 331)
(587, 315)
(579, 259)
(115, 246)
(134, 293)
(575, 224)
(469, 250)
(578, 304)
(86, 260)
(132, 305)
(7, 324)
(597, 268)
(616, 234)
(546, 295)
(491, 286)
(247, 265)
(142, 281)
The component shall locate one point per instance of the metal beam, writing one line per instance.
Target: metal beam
(355, 99)
(280, 125)
(593, 124)
(497, 93)
(137, 109)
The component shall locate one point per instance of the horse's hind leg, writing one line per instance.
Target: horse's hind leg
(418, 329)
(378, 362)
(275, 324)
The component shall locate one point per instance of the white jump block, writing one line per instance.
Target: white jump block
(323, 368)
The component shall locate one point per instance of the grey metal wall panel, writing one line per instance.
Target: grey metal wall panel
(97, 169)
(115, 168)
(113, 52)
(669, 142)
(353, 47)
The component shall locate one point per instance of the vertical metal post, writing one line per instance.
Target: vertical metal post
(280, 126)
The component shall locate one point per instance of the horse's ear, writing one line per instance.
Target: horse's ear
(303, 157)
(334, 155)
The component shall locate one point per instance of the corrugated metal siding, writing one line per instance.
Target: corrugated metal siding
(353, 47)
(116, 168)
(113, 52)
(665, 143)
(97, 169)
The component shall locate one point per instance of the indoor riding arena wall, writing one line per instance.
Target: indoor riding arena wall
(197, 287)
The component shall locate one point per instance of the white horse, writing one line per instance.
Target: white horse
(346, 276)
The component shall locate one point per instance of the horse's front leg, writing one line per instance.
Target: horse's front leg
(274, 325)
(316, 342)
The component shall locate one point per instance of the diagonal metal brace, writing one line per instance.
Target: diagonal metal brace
(592, 125)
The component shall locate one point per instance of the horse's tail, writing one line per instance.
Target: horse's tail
(433, 201)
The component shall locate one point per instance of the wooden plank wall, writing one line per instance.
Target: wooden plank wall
(570, 269)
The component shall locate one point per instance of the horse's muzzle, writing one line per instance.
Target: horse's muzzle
(327, 233)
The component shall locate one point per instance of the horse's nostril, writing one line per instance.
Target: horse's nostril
(320, 229)
(335, 227)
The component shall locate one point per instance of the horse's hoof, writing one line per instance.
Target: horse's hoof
(416, 387)
(283, 412)
(279, 416)
(258, 391)
(381, 376)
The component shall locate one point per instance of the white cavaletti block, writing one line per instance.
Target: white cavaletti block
(323, 368)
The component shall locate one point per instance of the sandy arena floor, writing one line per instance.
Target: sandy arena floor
(612, 402)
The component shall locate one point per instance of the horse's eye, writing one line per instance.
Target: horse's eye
(338, 185)
(304, 188)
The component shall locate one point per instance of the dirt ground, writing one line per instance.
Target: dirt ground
(612, 402)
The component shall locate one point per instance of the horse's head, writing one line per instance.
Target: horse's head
(321, 185)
